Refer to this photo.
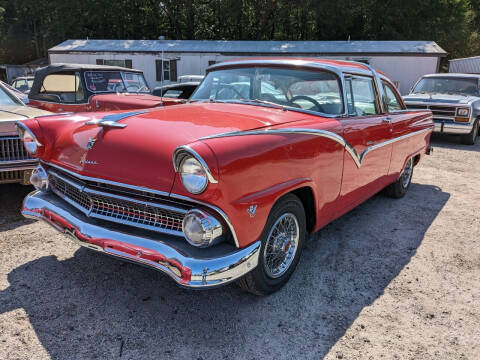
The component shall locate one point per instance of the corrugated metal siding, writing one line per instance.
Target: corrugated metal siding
(467, 65)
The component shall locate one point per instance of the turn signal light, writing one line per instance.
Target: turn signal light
(464, 120)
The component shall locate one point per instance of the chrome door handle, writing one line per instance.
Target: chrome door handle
(387, 119)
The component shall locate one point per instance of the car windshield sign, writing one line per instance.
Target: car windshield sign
(305, 90)
(447, 85)
(115, 81)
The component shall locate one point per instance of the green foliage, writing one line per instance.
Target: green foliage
(29, 27)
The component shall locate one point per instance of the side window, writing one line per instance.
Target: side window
(392, 101)
(361, 100)
(63, 87)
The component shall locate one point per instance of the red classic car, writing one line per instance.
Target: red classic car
(228, 186)
(83, 88)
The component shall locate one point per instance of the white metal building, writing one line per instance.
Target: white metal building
(469, 65)
(403, 61)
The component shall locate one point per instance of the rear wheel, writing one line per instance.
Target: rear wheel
(282, 242)
(400, 187)
(469, 139)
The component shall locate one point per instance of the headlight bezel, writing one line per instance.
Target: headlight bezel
(31, 145)
(212, 228)
(463, 112)
(182, 154)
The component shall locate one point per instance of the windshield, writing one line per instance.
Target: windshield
(116, 81)
(311, 90)
(6, 99)
(450, 85)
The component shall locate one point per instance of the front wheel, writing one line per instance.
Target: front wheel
(469, 139)
(282, 242)
(400, 187)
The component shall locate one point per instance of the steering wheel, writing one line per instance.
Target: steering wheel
(228, 87)
(308, 98)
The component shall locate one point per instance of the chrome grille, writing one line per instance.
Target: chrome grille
(443, 113)
(116, 208)
(11, 176)
(11, 149)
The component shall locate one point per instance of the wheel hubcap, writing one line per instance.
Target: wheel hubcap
(281, 245)
(407, 174)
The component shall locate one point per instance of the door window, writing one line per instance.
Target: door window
(361, 97)
(392, 101)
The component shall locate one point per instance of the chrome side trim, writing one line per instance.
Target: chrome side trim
(185, 148)
(213, 207)
(114, 183)
(357, 158)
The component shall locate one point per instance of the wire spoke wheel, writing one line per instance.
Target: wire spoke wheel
(281, 245)
(407, 174)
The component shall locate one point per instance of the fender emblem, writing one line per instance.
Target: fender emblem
(90, 143)
(251, 210)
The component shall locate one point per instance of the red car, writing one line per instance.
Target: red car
(228, 186)
(83, 88)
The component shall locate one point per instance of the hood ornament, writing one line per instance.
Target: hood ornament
(112, 120)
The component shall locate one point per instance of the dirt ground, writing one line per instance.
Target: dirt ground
(393, 279)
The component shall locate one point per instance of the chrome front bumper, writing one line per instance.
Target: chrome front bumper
(189, 267)
(453, 128)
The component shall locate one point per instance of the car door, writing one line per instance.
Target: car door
(403, 123)
(367, 131)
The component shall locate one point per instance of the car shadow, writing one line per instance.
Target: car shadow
(94, 306)
(453, 142)
(11, 199)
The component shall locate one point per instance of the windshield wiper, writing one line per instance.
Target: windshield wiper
(265, 102)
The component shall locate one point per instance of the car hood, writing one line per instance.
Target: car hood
(141, 153)
(11, 114)
(440, 98)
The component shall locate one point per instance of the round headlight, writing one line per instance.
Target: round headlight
(193, 175)
(201, 229)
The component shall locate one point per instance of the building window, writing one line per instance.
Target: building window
(126, 63)
(168, 70)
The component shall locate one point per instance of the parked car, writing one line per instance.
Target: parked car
(20, 95)
(225, 187)
(16, 164)
(180, 91)
(23, 84)
(454, 100)
(79, 88)
(190, 78)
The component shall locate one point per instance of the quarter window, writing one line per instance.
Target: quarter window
(63, 87)
(361, 98)
(391, 99)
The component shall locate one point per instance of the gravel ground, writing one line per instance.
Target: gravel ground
(393, 279)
